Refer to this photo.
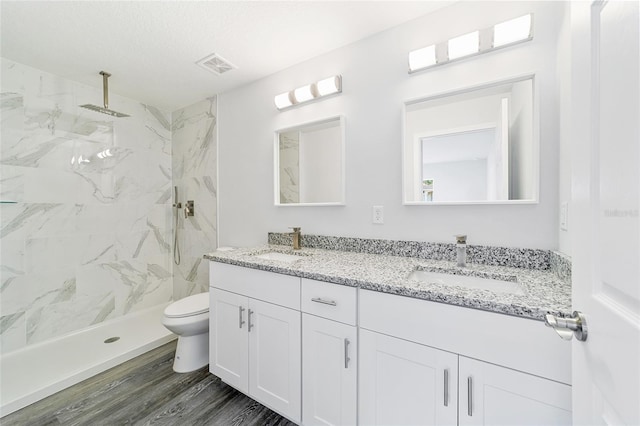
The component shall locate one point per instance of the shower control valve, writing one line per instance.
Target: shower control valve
(189, 209)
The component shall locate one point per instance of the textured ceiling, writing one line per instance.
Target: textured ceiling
(151, 47)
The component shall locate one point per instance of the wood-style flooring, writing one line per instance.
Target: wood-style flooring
(146, 391)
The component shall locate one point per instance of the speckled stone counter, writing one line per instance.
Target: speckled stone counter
(544, 291)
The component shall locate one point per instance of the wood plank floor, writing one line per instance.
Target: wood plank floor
(146, 391)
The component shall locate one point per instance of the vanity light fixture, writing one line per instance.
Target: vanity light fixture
(504, 34)
(309, 92)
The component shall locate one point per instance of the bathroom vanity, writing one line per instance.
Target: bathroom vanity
(337, 337)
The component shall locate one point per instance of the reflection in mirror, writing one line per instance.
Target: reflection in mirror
(309, 163)
(471, 146)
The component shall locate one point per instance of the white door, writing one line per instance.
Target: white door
(404, 383)
(329, 366)
(274, 357)
(228, 341)
(494, 395)
(605, 221)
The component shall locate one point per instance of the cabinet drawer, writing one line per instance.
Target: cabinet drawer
(327, 300)
(518, 343)
(283, 290)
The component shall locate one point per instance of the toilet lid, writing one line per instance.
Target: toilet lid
(192, 305)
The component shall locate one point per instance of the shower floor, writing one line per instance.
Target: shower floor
(40, 370)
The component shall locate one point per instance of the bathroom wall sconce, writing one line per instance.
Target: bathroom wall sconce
(309, 92)
(508, 33)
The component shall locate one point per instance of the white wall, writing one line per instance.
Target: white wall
(458, 180)
(450, 117)
(564, 157)
(375, 85)
(321, 165)
(521, 146)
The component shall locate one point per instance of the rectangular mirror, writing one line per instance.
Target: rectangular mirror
(309, 164)
(472, 146)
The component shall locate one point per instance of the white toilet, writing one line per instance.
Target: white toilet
(189, 319)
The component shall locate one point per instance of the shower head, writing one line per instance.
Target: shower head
(105, 90)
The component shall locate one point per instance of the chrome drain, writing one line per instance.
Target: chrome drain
(112, 339)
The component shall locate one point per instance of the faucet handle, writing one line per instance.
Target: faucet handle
(295, 228)
(461, 239)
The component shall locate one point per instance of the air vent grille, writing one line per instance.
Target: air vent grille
(216, 64)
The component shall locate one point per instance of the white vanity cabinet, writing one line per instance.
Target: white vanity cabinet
(404, 383)
(501, 370)
(329, 354)
(494, 395)
(255, 335)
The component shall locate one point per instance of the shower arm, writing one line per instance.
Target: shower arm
(105, 88)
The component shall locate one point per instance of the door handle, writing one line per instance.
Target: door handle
(324, 301)
(446, 387)
(346, 353)
(470, 396)
(249, 325)
(240, 321)
(566, 328)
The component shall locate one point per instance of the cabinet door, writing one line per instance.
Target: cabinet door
(329, 360)
(494, 395)
(228, 340)
(404, 383)
(274, 357)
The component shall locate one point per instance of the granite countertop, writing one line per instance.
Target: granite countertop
(543, 291)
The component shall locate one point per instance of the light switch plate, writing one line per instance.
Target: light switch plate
(378, 214)
(564, 216)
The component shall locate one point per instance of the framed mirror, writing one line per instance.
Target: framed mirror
(309, 164)
(472, 146)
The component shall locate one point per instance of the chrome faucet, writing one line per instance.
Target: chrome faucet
(296, 237)
(461, 251)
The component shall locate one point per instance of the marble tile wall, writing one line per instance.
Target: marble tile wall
(289, 164)
(194, 139)
(88, 237)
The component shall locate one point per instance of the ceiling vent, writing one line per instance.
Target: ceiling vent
(216, 64)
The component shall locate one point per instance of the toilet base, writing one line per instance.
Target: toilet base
(192, 353)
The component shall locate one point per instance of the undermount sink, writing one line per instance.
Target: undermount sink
(466, 281)
(278, 257)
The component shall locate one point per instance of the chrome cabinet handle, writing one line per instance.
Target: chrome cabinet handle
(346, 353)
(323, 301)
(249, 326)
(240, 321)
(470, 396)
(566, 328)
(446, 387)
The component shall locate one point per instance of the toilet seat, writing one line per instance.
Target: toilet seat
(189, 306)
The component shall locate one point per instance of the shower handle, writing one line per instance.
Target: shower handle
(189, 209)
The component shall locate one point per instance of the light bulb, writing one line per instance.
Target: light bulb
(464, 45)
(422, 58)
(511, 31)
(328, 86)
(282, 100)
(303, 94)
